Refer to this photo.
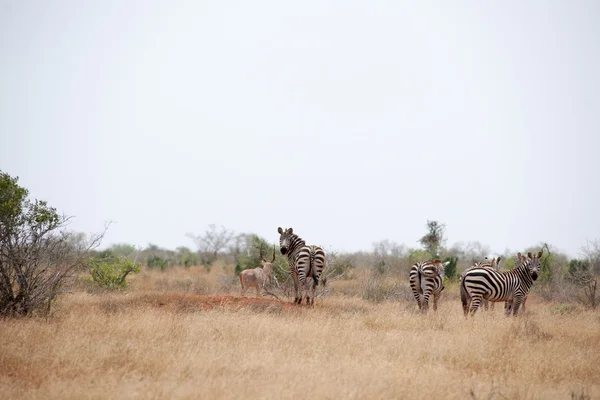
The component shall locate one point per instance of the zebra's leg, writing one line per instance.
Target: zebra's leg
(425, 306)
(485, 304)
(314, 291)
(296, 288)
(516, 303)
(492, 306)
(417, 297)
(475, 302)
(307, 290)
(436, 297)
(465, 300)
(508, 307)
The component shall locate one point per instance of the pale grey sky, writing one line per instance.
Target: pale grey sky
(350, 121)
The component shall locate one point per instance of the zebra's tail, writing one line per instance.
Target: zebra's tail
(464, 296)
(312, 267)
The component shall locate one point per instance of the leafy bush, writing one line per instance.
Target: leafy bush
(37, 259)
(450, 270)
(338, 267)
(110, 272)
(577, 269)
(158, 262)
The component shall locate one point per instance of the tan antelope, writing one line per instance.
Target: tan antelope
(257, 277)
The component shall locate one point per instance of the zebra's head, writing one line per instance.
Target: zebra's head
(284, 239)
(534, 263)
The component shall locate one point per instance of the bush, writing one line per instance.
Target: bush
(157, 262)
(110, 272)
(37, 259)
(338, 267)
(450, 270)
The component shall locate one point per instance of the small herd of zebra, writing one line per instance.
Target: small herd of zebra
(482, 282)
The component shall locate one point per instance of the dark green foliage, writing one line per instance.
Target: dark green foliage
(450, 269)
(110, 272)
(36, 258)
(238, 269)
(578, 269)
(157, 262)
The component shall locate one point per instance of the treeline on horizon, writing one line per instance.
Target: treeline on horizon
(219, 244)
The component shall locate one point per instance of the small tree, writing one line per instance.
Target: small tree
(211, 242)
(37, 258)
(109, 272)
(434, 238)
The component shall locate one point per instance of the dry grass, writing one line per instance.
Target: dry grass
(161, 340)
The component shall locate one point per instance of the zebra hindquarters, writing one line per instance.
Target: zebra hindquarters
(465, 299)
(317, 266)
(303, 269)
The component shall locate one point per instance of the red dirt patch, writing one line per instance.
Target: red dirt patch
(192, 302)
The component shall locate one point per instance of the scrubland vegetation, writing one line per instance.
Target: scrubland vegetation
(127, 322)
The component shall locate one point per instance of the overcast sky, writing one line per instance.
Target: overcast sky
(351, 121)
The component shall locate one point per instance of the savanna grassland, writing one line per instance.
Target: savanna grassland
(186, 334)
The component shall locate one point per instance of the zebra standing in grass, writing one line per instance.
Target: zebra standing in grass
(427, 278)
(511, 286)
(494, 264)
(305, 262)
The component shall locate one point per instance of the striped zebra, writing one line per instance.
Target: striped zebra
(427, 278)
(510, 286)
(305, 262)
(494, 264)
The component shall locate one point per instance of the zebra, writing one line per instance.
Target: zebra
(511, 287)
(305, 262)
(427, 278)
(494, 264)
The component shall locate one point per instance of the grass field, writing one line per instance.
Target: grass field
(165, 338)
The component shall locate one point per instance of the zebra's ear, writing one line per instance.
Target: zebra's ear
(436, 261)
(280, 230)
(519, 256)
(498, 260)
(290, 231)
(540, 254)
(446, 263)
(529, 254)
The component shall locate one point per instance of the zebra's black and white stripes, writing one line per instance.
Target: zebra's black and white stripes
(494, 264)
(427, 278)
(305, 262)
(512, 286)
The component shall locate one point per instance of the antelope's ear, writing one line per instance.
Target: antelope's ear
(540, 254)
(290, 231)
(280, 230)
(529, 254)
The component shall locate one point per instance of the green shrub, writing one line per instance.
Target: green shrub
(450, 269)
(110, 272)
(158, 262)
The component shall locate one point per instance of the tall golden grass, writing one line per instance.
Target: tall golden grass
(166, 338)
